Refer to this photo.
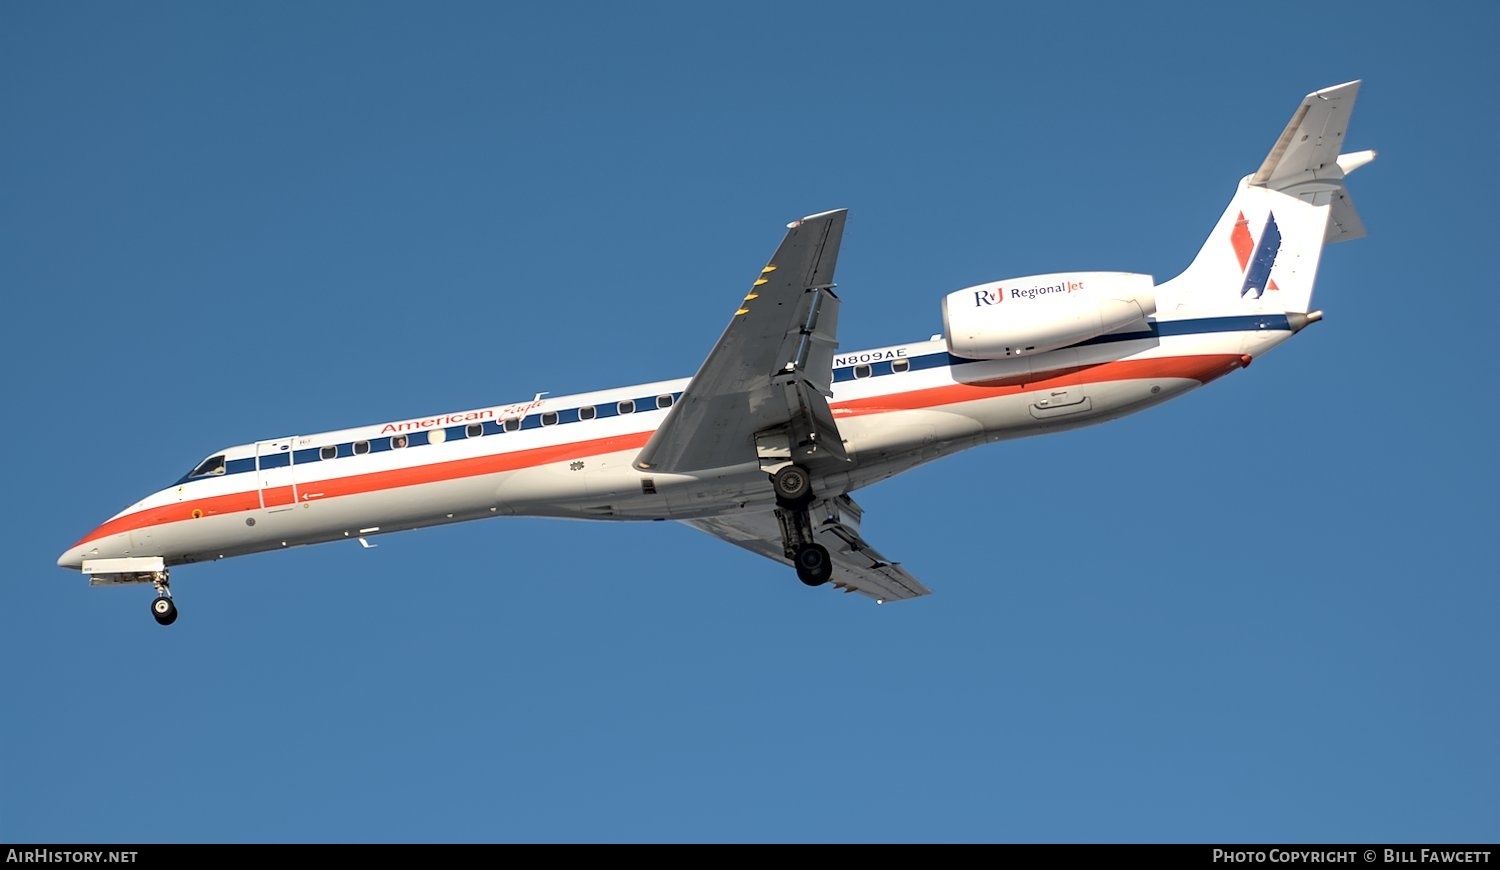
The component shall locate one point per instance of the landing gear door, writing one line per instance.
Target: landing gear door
(275, 474)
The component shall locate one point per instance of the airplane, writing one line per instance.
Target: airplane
(764, 445)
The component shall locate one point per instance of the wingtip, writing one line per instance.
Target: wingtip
(812, 217)
(1324, 93)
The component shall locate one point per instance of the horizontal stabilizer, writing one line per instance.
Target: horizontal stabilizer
(1310, 145)
(1262, 256)
(1343, 221)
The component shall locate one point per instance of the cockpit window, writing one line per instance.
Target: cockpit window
(208, 467)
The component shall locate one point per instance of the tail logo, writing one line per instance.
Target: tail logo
(1256, 261)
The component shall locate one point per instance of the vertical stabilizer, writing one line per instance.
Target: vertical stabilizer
(1263, 254)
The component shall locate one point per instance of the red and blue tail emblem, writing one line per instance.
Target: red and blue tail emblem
(1256, 260)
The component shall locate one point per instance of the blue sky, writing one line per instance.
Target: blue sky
(1262, 612)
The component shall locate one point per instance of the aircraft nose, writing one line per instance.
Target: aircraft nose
(71, 558)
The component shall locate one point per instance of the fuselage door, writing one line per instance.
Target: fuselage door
(275, 474)
(1055, 391)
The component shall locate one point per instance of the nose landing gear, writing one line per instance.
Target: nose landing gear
(162, 609)
(136, 571)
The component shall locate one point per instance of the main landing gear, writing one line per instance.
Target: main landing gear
(814, 567)
(793, 487)
(162, 609)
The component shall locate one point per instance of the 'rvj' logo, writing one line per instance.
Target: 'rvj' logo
(1256, 260)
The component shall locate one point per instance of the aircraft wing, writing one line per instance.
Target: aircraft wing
(763, 390)
(857, 567)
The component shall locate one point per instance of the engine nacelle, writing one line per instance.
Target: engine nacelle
(1043, 312)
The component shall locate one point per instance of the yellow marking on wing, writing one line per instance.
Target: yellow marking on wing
(770, 268)
(749, 296)
(761, 281)
(742, 311)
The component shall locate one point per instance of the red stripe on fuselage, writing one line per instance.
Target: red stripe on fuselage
(1199, 368)
(373, 481)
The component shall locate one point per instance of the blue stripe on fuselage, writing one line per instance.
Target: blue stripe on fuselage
(646, 404)
(1153, 331)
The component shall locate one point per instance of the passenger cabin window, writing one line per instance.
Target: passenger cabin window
(329, 452)
(586, 412)
(549, 418)
(900, 366)
(861, 371)
(361, 448)
(664, 401)
(627, 406)
(398, 442)
(512, 424)
(473, 430)
(207, 468)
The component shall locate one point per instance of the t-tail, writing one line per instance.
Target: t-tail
(1262, 256)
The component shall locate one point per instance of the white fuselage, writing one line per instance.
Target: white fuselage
(571, 456)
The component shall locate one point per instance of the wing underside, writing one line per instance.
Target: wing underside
(763, 390)
(857, 567)
(762, 396)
